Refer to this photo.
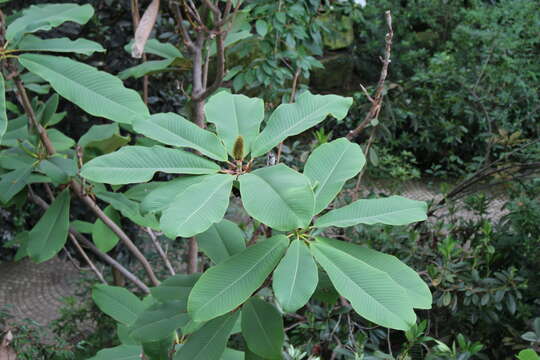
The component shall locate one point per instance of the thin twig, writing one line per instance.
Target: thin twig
(159, 250)
(87, 259)
(366, 154)
(291, 100)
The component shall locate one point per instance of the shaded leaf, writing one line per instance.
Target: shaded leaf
(145, 68)
(262, 328)
(79, 46)
(118, 303)
(122, 352)
(102, 235)
(221, 241)
(175, 288)
(159, 321)
(13, 182)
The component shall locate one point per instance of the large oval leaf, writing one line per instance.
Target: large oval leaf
(173, 129)
(134, 164)
(197, 208)
(278, 196)
(329, 166)
(79, 46)
(159, 321)
(393, 210)
(49, 235)
(262, 328)
(221, 241)
(225, 286)
(234, 116)
(209, 342)
(293, 119)
(416, 289)
(96, 92)
(373, 294)
(3, 113)
(295, 278)
(47, 16)
(161, 197)
(118, 303)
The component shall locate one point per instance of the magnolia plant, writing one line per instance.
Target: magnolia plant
(250, 284)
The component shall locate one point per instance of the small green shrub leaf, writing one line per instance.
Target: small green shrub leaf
(209, 342)
(96, 92)
(118, 303)
(329, 166)
(173, 129)
(221, 241)
(295, 278)
(196, 209)
(234, 116)
(159, 321)
(262, 328)
(393, 210)
(293, 119)
(278, 196)
(49, 235)
(227, 285)
(133, 164)
(373, 294)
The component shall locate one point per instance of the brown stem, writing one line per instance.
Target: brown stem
(376, 101)
(193, 256)
(160, 251)
(366, 154)
(87, 259)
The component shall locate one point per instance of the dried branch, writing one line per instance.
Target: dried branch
(376, 100)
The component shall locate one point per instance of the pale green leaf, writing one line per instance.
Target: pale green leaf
(159, 320)
(134, 164)
(155, 47)
(163, 196)
(262, 27)
(221, 241)
(49, 235)
(234, 116)
(64, 45)
(118, 303)
(102, 235)
(175, 288)
(173, 129)
(278, 196)
(293, 119)
(209, 342)
(45, 17)
(3, 112)
(196, 209)
(373, 294)
(96, 92)
(295, 278)
(393, 210)
(145, 68)
(416, 289)
(329, 166)
(227, 285)
(262, 328)
(122, 352)
(60, 141)
(528, 354)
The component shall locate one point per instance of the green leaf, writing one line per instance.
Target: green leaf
(262, 328)
(393, 210)
(79, 46)
(173, 129)
(231, 354)
(102, 235)
(221, 241)
(232, 38)
(528, 354)
(96, 92)
(262, 27)
(295, 278)
(49, 235)
(155, 47)
(58, 169)
(3, 112)
(45, 17)
(234, 116)
(329, 166)
(278, 196)
(60, 141)
(159, 320)
(163, 196)
(293, 119)
(134, 164)
(122, 352)
(209, 342)
(416, 289)
(175, 288)
(373, 294)
(128, 208)
(102, 139)
(196, 209)
(84, 227)
(48, 110)
(145, 68)
(118, 303)
(13, 182)
(160, 349)
(227, 285)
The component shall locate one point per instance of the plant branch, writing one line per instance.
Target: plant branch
(377, 99)
(86, 258)
(159, 250)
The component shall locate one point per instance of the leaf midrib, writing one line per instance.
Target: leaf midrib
(364, 218)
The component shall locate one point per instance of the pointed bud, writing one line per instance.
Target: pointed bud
(238, 149)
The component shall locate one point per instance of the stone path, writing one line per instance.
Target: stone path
(35, 290)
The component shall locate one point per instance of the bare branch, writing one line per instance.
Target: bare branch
(159, 250)
(87, 259)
